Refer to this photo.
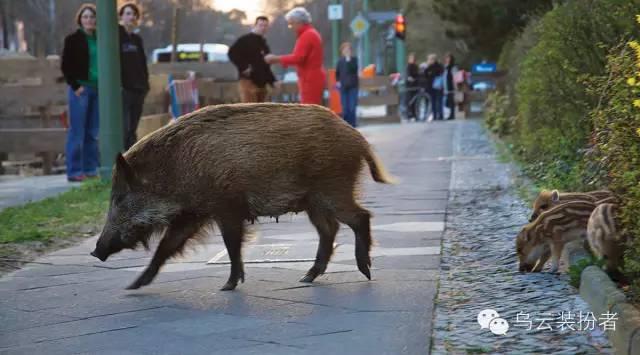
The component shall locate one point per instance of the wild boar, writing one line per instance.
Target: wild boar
(604, 238)
(547, 199)
(230, 163)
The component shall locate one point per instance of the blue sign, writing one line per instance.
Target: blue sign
(484, 67)
(382, 16)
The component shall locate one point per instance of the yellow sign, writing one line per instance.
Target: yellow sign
(189, 55)
(359, 25)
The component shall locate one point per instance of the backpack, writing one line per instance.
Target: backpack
(438, 82)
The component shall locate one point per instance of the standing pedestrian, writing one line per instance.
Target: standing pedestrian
(307, 57)
(79, 66)
(412, 85)
(450, 72)
(347, 81)
(135, 74)
(434, 84)
(247, 54)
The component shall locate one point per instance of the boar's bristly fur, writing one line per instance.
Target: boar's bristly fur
(230, 163)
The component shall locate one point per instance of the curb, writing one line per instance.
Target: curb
(602, 295)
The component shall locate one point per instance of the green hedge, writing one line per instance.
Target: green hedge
(570, 111)
(547, 107)
(617, 146)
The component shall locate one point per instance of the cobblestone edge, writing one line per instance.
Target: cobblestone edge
(602, 295)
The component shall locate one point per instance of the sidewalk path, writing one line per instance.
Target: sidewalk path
(68, 302)
(16, 190)
(479, 269)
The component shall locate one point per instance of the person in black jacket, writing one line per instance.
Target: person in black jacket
(247, 54)
(413, 74)
(135, 75)
(450, 70)
(348, 83)
(434, 85)
(79, 66)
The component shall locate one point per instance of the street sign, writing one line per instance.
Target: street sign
(484, 67)
(382, 16)
(359, 25)
(335, 12)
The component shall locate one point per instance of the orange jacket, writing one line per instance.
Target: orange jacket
(308, 58)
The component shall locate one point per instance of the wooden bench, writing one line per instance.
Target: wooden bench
(32, 96)
(379, 93)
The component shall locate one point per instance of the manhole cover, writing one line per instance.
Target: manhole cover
(271, 253)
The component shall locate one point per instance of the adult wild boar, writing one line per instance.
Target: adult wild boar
(231, 163)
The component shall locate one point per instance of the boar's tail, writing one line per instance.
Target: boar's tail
(378, 172)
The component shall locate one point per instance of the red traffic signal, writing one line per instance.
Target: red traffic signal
(400, 27)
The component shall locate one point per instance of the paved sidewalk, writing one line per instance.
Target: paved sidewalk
(68, 302)
(479, 269)
(17, 190)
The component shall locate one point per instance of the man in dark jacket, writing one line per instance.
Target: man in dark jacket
(433, 84)
(135, 75)
(413, 76)
(247, 54)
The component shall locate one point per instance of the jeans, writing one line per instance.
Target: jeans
(249, 92)
(436, 103)
(349, 102)
(132, 102)
(450, 103)
(82, 137)
(411, 92)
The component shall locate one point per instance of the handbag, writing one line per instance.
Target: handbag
(458, 97)
(438, 82)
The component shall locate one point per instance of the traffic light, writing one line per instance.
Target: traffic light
(401, 27)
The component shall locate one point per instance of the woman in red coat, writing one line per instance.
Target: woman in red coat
(307, 57)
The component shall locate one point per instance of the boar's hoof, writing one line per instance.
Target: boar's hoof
(233, 282)
(134, 286)
(315, 271)
(364, 269)
(229, 286)
(308, 278)
(143, 280)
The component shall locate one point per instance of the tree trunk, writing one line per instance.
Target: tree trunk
(4, 17)
(174, 34)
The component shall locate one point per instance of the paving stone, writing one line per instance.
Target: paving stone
(479, 270)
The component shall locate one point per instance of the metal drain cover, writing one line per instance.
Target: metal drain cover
(271, 253)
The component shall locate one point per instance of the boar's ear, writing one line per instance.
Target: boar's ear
(124, 173)
(555, 196)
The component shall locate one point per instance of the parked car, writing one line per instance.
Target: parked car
(190, 52)
(483, 85)
(290, 77)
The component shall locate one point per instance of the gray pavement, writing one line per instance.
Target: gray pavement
(68, 302)
(17, 190)
(479, 269)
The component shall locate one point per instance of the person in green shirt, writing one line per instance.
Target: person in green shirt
(80, 70)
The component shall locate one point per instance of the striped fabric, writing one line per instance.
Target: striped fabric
(184, 95)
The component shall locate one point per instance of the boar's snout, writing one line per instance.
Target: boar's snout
(96, 254)
(107, 244)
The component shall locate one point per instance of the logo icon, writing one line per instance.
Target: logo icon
(490, 319)
(485, 317)
(499, 326)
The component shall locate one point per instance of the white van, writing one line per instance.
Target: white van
(190, 52)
